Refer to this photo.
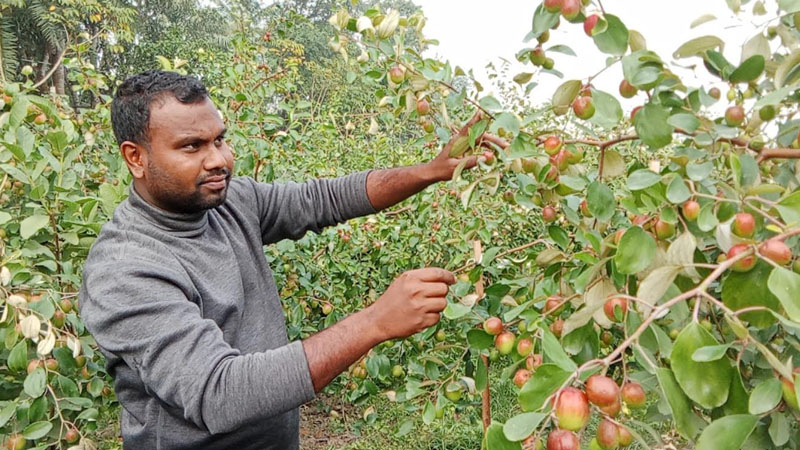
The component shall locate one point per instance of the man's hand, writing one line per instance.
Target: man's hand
(444, 165)
(412, 303)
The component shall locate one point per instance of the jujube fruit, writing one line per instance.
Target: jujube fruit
(601, 390)
(572, 409)
(745, 264)
(610, 308)
(633, 395)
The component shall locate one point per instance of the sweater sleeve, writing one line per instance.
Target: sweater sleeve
(143, 315)
(290, 210)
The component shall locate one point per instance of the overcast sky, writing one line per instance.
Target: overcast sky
(474, 32)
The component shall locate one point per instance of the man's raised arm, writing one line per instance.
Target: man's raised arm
(391, 186)
(290, 210)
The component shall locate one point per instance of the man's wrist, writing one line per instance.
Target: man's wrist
(430, 173)
(369, 324)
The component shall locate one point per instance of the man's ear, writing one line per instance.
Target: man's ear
(135, 156)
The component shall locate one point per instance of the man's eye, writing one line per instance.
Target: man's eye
(219, 141)
(192, 146)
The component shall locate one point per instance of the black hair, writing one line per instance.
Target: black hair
(130, 109)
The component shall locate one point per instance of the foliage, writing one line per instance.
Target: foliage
(601, 215)
(624, 227)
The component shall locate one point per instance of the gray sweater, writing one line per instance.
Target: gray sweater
(186, 310)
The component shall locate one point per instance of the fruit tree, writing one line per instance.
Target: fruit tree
(664, 280)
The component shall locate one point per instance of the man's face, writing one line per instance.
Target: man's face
(188, 164)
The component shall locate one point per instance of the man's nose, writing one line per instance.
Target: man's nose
(215, 157)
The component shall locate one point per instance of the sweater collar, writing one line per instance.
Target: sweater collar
(183, 224)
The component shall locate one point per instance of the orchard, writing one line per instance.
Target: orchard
(664, 276)
(628, 276)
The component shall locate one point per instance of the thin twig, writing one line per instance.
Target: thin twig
(472, 264)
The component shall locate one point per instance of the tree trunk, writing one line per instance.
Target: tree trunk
(60, 79)
(44, 66)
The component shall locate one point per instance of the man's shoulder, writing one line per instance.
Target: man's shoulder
(120, 239)
(242, 191)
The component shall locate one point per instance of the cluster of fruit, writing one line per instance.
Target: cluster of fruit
(398, 75)
(572, 409)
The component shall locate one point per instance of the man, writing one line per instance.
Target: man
(178, 294)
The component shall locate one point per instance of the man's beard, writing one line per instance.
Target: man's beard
(173, 199)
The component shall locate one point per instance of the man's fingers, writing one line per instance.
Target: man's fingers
(435, 305)
(472, 161)
(432, 319)
(435, 290)
(436, 274)
(475, 119)
(487, 138)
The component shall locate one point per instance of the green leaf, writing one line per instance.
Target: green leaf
(490, 104)
(559, 236)
(543, 383)
(727, 433)
(594, 299)
(745, 289)
(698, 46)
(636, 251)
(522, 425)
(479, 339)
(18, 358)
(765, 396)
(614, 40)
(775, 97)
(642, 179)
(657, 283)
(710, 353)
(789, 6)
(608, 111)
(496, 439)
(37, 430)
(785, 285)
(406, 427)
(779, 429)
(636, 41)
(18, 111)
(4, 217)
(707, 220)
(96, 385)
(564, 95)
(455, 310)
(7, 412)
(613, 165)
(706, 383)
(737, 398)
(787, 73)
(35, 383)
(428, 413)
(555, 353)
(481, 375)
(601, 202)
(560, 48)
(30, 225)
(652, 126)
(25, 140)
(684, 121)
(679, 405)
(677, 191)
(506, 121)
(522, 78)
(749, 70)
(702, 19)
(789, 209)
(543, 20)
